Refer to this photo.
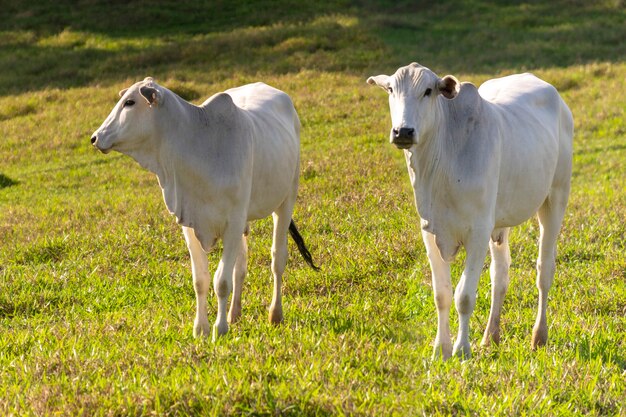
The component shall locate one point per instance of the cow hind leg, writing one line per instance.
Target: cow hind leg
(282, 219)
(239, 274)
(499, 273)
(550, 217)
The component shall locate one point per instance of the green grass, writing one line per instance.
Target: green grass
(96, 300)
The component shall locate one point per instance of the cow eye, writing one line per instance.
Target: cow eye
(390, 90)
(427, 92)
(129, 103)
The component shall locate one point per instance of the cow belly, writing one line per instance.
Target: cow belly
(517, 210)
(528, 165)
(267, 197)
(522, 190)
(274, 179)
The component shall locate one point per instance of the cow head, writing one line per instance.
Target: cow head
(414, 92)
(132, 120)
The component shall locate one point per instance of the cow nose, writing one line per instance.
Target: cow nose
(93, 139)
(404, 133)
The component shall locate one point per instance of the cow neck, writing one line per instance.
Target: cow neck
(176, 128)
(444, 160)
(426, 161)
(435, 159)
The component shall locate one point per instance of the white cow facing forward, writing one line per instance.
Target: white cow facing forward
(480, 161)
(233, 159)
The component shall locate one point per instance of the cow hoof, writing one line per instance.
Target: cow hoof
(540, 337)
(275, 315)
(463, 351)
(233, 315)
(441, 351)
(490, 339)
(201, 329)
(219, 330)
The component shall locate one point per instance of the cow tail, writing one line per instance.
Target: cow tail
(293, 230)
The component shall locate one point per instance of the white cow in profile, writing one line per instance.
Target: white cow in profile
(481, 161)
(233, 159)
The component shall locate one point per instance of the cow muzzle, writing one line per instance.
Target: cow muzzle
(96, 144)
(403, 137)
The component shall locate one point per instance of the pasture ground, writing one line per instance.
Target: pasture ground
(96, 300)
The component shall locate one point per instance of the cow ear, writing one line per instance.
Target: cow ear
(122, 92)
(448, 86)
(151, 94)
(380, 80)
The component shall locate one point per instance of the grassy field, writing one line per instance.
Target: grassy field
(96, 299)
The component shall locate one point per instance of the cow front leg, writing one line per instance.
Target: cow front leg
(201, 282)
(499, 273)
(442, 289)
(465, 294)
(239, 274)
(550, 218)
(223, 278)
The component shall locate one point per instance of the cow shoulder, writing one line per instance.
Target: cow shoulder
(465, 112)
(471, 139)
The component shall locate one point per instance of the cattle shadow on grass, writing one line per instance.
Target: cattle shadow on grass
(6, 181)
(158, 17)
(57, 44)
(492, 36)
(71, 59)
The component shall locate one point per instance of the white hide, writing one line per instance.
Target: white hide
(480, 161)
(233, 159)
